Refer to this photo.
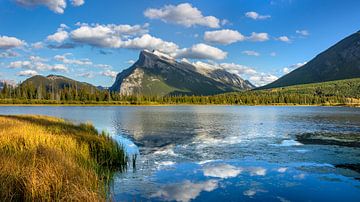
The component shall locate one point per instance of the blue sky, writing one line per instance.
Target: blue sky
(91, 41)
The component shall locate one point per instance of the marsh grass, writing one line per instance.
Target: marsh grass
(49, 159)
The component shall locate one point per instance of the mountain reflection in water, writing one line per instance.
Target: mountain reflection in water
(229, 153)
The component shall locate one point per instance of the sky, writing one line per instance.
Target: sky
(93, 40)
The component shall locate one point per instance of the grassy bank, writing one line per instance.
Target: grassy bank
(49, 159)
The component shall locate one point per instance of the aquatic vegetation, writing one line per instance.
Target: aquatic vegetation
(46, 159)
(340, 139)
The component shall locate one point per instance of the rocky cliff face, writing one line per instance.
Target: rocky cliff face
(341, 61)
(158, 74)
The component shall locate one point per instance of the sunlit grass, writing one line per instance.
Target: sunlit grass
(46, 159)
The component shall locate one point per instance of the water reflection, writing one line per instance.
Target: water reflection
(226, 153)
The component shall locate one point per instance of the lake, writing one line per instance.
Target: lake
(225, 153)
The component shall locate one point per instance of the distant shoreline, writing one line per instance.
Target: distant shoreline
(183, 104)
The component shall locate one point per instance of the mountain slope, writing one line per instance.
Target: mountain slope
(341, 61)
(158, 74)
(55, 81)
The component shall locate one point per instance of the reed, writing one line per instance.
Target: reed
(50, 159)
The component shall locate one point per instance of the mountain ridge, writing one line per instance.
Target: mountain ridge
(155, 73)
(340, 61)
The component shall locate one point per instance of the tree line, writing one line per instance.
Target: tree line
(71, 94)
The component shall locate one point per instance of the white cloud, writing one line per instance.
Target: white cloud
(225, 36)
(58, 68)
(77, 2)
(9, 54)
(249, 73)
(63, 58)
(109, 36)
(149, 42)
(37, 45)
(256, 16)
(38, 63)
(59, 36)
(221, 171)
(183, 14)
(202, 51)
(109, 73)
(100, 36)
(104, 66)
(7, 42)
(262, 79)
(130, 62)
(57, 6)
(27, 73)
(284, 39)
(286, 70)
(87, 75)
(250, 53)
(303, 32)
(290, 68)
(260, 37)
(185, 191)
(273, 54)
(238, 69)
(20, 64)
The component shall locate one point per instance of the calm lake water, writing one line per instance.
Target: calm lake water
(225, 153)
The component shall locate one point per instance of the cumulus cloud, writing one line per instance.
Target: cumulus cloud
(256, 16)
(260, 37)
(108, 36)
(250, 53)
(59, 36)
(109, 73)
(221, 171)
(183, 14)
(7, 42)
(58, 68)
(284, 39)
(225, 36)
(38, 63)
(202, 51)
(20, 64)
(185, 191)
(57, 6)
(27, 73)
(149, 42)
(302, 32)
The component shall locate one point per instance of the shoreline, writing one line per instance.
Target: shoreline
(356, 105)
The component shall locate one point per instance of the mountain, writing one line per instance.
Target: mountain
(158, 74)
(56, 82)
(341, 61)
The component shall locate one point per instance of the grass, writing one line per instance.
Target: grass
(48, 159)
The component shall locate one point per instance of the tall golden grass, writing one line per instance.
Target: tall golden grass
(49, 159)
